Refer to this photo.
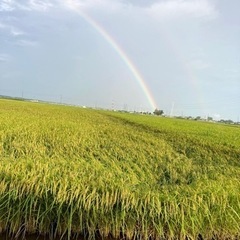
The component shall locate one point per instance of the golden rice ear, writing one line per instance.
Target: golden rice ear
(67, 172)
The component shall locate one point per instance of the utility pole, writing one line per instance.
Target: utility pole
(113, 105)
(125, 107)
(171, 113)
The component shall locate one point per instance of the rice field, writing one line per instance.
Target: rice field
(68, 172)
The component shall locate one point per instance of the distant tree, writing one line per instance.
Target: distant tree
(209, 118)
(158, 112)
(226, 121)
(198, 118)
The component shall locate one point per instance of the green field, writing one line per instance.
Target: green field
(68, 171)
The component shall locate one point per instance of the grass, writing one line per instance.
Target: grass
(67, 171)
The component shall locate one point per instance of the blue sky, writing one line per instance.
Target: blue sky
(187, 52)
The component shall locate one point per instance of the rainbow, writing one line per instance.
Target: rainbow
(122, 54)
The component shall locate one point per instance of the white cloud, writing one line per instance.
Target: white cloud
(45, 5)
(11, 29)
(6, 6)
(107, 5)
(217, 116)
(175, 9)
(16, 32)
(28, 5)
(4, 57)
(26, 43)
(160, 9)
(40, 5)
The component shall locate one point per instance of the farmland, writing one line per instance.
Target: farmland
(67, 171)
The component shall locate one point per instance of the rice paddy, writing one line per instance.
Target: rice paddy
(67, 172)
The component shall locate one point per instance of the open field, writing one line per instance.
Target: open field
(67, 171)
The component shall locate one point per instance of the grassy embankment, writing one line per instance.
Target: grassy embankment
(69, 171)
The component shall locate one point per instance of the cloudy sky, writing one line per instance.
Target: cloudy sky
(182, 56)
